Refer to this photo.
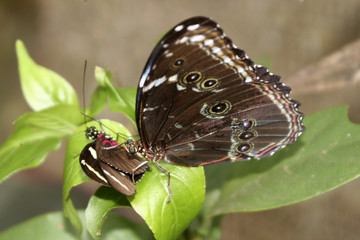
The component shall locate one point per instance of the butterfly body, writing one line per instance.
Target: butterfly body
(109, 163)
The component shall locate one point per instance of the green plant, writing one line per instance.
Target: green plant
(325, 157)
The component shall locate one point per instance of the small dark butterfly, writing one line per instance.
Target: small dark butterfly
(201, 100)
(104, 161)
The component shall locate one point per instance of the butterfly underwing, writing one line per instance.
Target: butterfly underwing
(201, 100)
(108, 162)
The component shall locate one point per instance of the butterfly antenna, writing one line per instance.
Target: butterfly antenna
(92, 119)
(83, 92)
(122, 136)
(84, 101)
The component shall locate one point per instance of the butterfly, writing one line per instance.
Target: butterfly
(201, 100)
(103, 161)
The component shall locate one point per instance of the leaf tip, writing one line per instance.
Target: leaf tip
(100, 76)
(19, 43)
(22, 54)
(20, 49)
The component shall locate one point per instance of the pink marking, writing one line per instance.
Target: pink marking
(218, 160)
(105, 142)
(112, 143)
(149, 156)
(292, 135)
(288, 107)
(266, 150)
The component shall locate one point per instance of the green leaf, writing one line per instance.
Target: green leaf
(102, 76)
(129, 96)
(101, 203)
(55, 227)
(73, 174)
(48, 226)
(42, 87)
(326, 156)
(118, 227)
(36, 134)
(71, 214)
(169, 220)
(121, 99)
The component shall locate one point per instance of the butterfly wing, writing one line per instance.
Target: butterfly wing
(90, 164)
(118, 180)
(201, 100)
(119, 158)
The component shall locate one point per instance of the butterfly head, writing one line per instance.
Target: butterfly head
(92, 133)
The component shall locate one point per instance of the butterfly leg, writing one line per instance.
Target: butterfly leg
(168, 183)
(135, 169)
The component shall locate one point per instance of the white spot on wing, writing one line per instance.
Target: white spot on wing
(150, 109)
(197, 38)
(173, 78)
(196, 89)
(227, 60)
(179, 28)
(217, 90)
(155, 83)
(169, 54)
(179, 87)
(240, 70)
(93, 152)
(179, 126)
(248, 80)
(159, 81)
(148, 87)
(183, 40)
(209, 42)
(193, 27)
(216, 50)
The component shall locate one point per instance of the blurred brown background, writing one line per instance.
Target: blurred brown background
(293, 37)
